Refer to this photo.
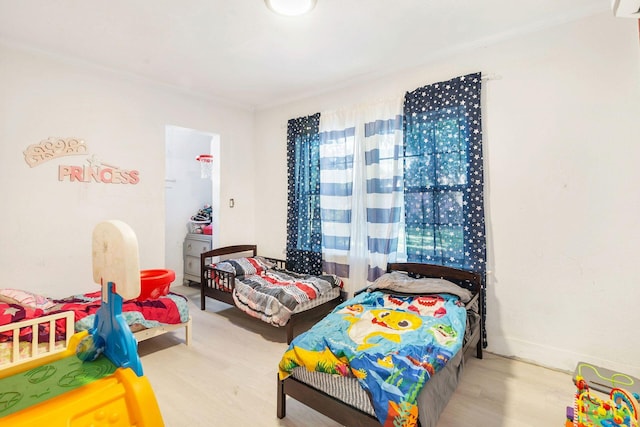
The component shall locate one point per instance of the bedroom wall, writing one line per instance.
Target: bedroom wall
(46, 224)
(561, 152)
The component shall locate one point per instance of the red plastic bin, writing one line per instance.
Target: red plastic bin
(155, 283)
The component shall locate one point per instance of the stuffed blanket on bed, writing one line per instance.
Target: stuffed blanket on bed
(16, 305)
(271, 295)
(168, 309)
(392, 344)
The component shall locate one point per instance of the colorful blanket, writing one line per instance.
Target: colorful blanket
(13, 313)
(149, 313)
(271, 295)
(391, 344)
(168, 309)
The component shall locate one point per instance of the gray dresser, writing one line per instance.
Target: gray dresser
(194, 245)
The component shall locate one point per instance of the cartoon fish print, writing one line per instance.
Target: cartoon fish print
(386, 362)
(388, 324)
(353, 309)
(424, 365)
(429, 305)
(444, 334)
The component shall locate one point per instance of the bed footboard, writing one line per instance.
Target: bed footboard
(36, 349)
(218, 284)
(321, 402)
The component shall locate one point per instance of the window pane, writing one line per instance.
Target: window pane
(447, 135)
(450, 243)
(419, 209)
(449, 205)
(452, 169)
(419, 171)
(420, 242)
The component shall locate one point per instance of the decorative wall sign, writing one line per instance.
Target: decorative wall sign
(94, 171)
(52, 148)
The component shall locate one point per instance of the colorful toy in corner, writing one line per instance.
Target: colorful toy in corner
(619, 410)
(98, 379)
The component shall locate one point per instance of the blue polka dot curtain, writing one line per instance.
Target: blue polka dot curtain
(443, 170)
(304, 244)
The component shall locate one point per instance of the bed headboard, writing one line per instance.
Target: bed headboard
(236, 250)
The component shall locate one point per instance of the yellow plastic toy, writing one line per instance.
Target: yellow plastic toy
(97, 381)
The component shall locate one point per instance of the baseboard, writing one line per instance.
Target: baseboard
(552, 357)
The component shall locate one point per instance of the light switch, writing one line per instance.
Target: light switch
(232, 203)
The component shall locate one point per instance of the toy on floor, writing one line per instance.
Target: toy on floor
(619, 410)
(603, 379)
(98, 380)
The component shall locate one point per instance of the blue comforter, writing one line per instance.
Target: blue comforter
(391, 344)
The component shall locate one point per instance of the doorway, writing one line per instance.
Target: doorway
(186, 191)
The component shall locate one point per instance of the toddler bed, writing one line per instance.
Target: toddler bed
(262, 288)
(403, 340)
(23, 312)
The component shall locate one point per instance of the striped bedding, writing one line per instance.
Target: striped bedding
(272, 295)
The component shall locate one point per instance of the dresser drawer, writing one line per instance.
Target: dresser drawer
(194, 246)
(192, 266)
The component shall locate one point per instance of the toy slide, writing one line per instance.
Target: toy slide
(97, 381)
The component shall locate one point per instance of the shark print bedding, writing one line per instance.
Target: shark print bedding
(392, 344)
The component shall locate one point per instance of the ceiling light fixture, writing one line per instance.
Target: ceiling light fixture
(290, 7)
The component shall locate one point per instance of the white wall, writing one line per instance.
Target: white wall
(46, 225)
(561, 154)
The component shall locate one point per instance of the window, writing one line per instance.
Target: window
(389, 182)
(435, 170)
(443, 172)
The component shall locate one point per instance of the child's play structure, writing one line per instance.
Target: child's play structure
(98, 380)
(617, 408)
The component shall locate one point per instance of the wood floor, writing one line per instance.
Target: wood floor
(227, 377)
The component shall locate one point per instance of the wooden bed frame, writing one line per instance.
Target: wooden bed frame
(145, 334)
(353, 417)
(42, 349)
(219, 285)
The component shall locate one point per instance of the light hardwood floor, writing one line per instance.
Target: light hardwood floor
(227, 377)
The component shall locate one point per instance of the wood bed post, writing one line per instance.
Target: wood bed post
(289, 332)
(203, 282)
(282, 399)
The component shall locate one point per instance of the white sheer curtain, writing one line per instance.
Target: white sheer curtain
(361, 195)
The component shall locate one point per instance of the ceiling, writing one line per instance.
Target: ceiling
(241, 52)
